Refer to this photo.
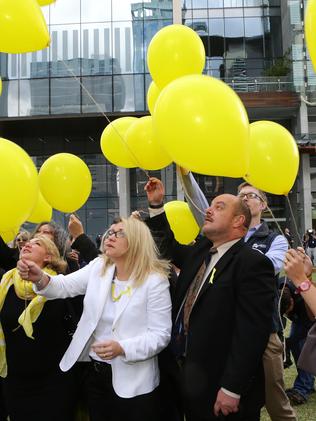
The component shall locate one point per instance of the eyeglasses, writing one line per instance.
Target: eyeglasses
(21, 239)
(250, 195)
(117, 234)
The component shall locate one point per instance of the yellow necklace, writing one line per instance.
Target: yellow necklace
(127, 291)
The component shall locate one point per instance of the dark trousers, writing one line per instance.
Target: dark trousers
(105, 405)
(52, 397)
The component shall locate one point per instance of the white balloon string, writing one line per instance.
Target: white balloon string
(106, 117)
(275, 221)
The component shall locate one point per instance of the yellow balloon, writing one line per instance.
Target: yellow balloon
(65, 182)
(274, 158)
(203, 126)
(145, 148)
(22, 27)
(0, 86)
(175, 51)
(45, 2)
(18, 187)
(181, 221)
(41, 212)
(310, 30)
(152, 96)
(9, 235)
(113, 142)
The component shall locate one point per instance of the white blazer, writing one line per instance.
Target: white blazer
(142, 324)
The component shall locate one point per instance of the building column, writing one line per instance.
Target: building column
(304, 175)
(124, 192)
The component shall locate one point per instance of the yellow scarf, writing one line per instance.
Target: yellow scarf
(24, 290)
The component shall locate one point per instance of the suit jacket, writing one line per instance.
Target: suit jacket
(142, 324)
(230, 322)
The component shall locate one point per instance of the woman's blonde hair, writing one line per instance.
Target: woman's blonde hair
(142, 256)
(56, 263)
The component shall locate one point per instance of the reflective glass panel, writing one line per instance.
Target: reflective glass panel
(100, 89)
(96, 49)
(234, 38)
(65, 96)
(215, 3)
(199, 4)
(65, 50)
(9, 99)
(216, 30)
(233, 3)
(129, 93)
(95, 10)
(34, 97)
(65, 12)
(126, 9)
(273, 36)
(124, 46)
(254, 37)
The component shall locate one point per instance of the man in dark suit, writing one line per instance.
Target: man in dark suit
(222, 311)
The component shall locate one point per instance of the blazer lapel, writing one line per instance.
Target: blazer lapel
(102, 291)
(220, 266)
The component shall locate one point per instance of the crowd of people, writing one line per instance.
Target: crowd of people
(141, 327)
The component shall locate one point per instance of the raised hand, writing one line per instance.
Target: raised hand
(155, 191)
(75, 227)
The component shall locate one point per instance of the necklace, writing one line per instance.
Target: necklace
(127, 291)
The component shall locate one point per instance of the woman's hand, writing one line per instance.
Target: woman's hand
(29, 270)
(107, 350)
(155, 191)
(296, 264)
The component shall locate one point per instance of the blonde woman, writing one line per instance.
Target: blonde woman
(33, 339)
(126, 321)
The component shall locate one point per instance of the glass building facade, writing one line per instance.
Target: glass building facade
(96, 63)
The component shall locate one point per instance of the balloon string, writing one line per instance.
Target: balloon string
(275, 221)
(106, 117)
(293, 219)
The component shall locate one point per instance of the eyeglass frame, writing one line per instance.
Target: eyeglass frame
(110, 232)
(253, 196)
(19, 239)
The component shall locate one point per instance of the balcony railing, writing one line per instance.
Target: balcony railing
(261, 84)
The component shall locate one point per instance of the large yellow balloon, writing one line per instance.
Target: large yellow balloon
(274, 158)
(9, 235)
(203, 126)
(175, 51)
(144, 146)
(310, 30)
(152, 96)
(22, 27)
(65, 182)
(18, 187)
(45, 2)
(182, 222)
(41, 212)
(113, 142)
